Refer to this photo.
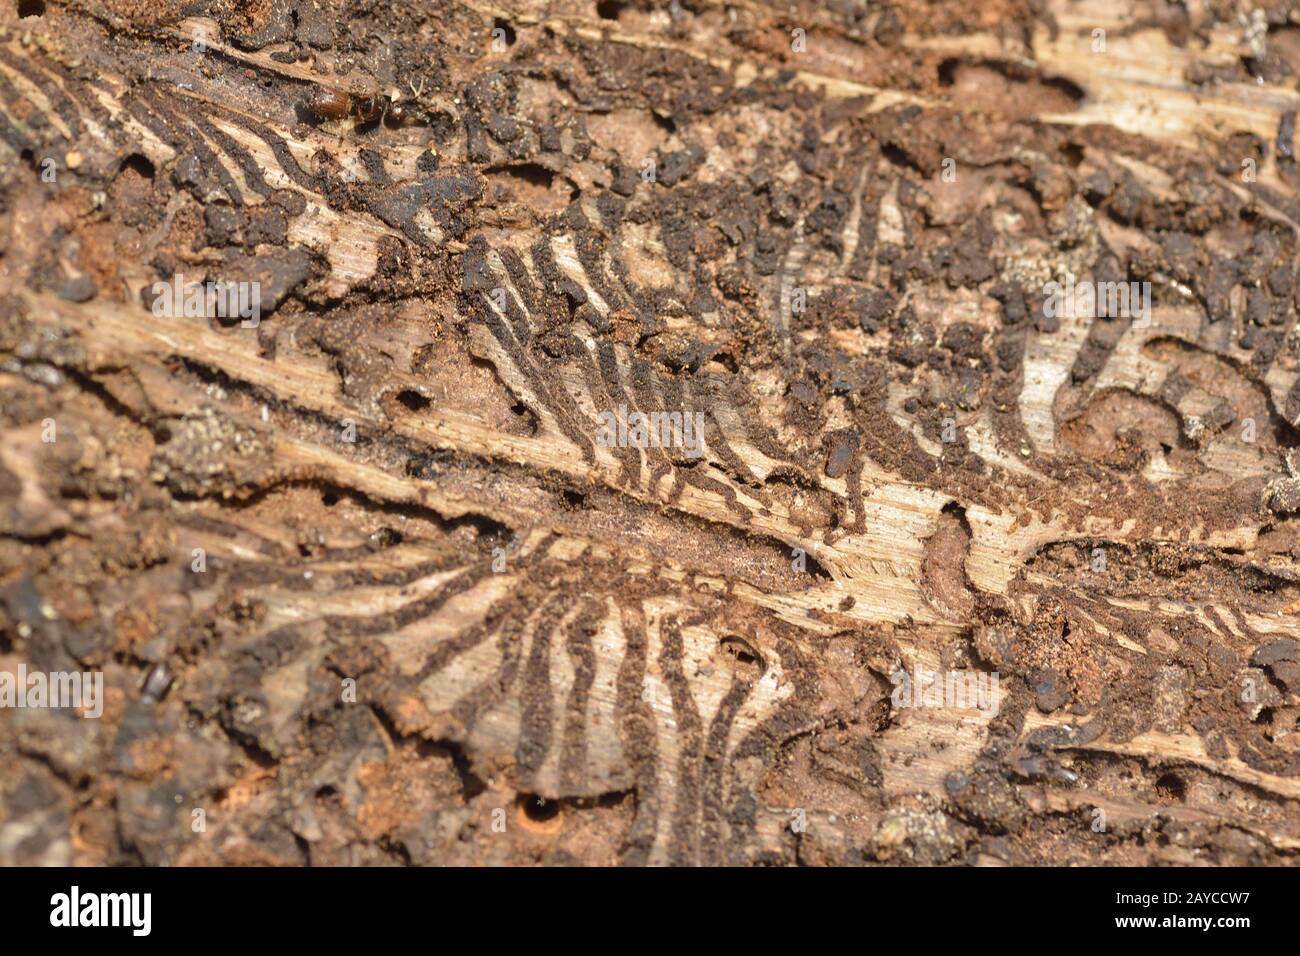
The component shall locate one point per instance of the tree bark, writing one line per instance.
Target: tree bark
(953, 571)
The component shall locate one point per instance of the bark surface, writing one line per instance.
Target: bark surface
(370, 583)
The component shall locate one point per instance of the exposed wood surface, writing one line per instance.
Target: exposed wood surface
(691, 658)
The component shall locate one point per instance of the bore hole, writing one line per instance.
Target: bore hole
(139, 165)
(538, 809)
(529, 419)
(897, 156)
(1073, 90)
(532, 173)
(608, 9)
(506, 28)
(413, 400)
(31, 8)
(1171, 787)
(746, 661)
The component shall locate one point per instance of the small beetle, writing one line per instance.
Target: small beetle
(328, 104)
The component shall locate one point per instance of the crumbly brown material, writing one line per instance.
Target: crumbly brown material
(826, 433)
